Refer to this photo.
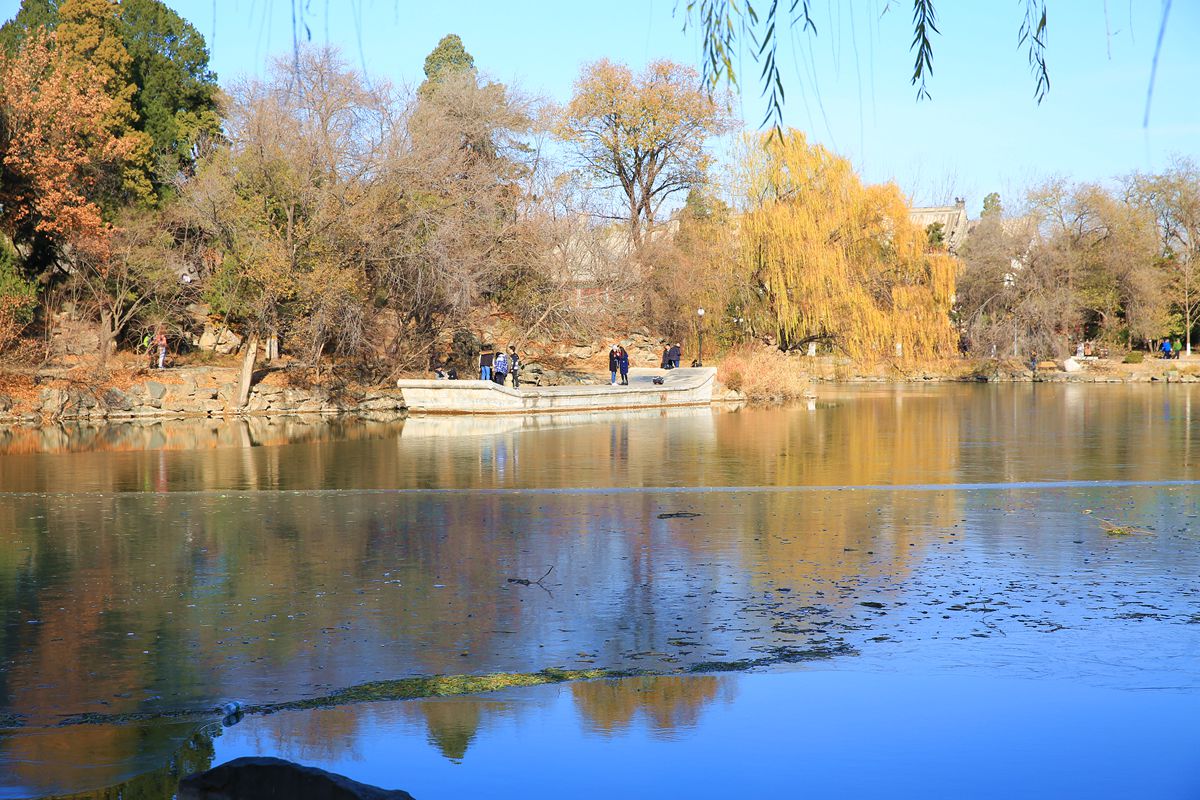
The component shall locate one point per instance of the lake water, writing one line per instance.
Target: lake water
(946, 591)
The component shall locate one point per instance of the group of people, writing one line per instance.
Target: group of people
(671, 355)
(1168, 349)
(497, 366)
(618, 364)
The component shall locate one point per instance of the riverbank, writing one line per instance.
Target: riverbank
(206, 391)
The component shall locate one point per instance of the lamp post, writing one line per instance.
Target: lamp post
(699, 337)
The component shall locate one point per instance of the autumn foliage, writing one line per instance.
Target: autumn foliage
(839, 261)
(56, 146)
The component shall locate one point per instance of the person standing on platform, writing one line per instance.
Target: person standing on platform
(500, 368)
(514, 366)
(485, 364)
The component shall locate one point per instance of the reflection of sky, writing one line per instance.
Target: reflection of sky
(813, 733)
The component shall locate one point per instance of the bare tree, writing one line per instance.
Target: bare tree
(1173, 196)
(642, 136)
(1080, 263)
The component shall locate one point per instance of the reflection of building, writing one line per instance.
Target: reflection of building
(953, 219)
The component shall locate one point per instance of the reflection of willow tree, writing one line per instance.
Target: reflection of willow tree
(807, 538)
(666, 702)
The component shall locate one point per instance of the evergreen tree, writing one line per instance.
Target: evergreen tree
(176, 98)
(89, 38)
(449, 57)
(991, 205)
(32, 15)
(155, 66)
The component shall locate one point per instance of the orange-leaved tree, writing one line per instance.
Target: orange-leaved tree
(837, 260)
(642, 136)
(54, 149)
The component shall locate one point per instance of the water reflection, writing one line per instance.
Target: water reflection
(817, 733)
(136, 761)
(157, 576)
(892, 436)
(663, 705)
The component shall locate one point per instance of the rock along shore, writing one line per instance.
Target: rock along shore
(184, 392)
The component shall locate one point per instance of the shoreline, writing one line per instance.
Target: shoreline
(210, 392)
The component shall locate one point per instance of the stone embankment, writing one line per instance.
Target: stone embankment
(188, 392)
(839, 370)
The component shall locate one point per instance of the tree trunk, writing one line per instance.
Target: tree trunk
(107, 335)
(1187, 327)
(247, 370)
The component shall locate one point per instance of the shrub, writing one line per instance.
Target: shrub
(18, 298)
(764, 374)
(1136, 357)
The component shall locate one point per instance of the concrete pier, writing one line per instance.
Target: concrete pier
(681, 387)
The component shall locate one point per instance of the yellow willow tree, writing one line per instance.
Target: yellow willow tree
(838, 261)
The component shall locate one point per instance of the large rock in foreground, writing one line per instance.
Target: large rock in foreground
(276, 779)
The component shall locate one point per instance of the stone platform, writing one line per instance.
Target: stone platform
(689, 386)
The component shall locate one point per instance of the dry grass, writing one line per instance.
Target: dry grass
(764, 375)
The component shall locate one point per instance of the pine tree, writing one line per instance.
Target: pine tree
(90, 46)
(449, 57)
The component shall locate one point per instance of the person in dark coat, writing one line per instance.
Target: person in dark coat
(623, 365)
(612, 365)
(485, 364)
(676, 354)
(666, 359)
(514, 366)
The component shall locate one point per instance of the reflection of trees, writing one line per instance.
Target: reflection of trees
(161, 601)
(276, 595)
(807, 539)
(666, 702)
(105, 757)
(327, 734)
(453, 725)
(890, 435)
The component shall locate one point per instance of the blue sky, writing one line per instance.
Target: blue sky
(847, 88)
